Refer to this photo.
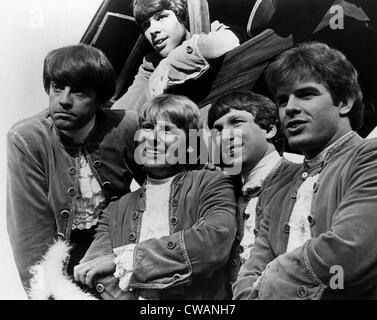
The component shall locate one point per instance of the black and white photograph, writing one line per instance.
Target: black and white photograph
(202, 151)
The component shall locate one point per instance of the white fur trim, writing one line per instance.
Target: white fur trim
(49, 281)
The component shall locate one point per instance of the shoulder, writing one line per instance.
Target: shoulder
(126, 119)
(119, 206)
(359, 151)
(38, 127)
(208, 177)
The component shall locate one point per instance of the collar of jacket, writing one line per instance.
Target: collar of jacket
(319, 162)
(71, 146)
(177, 181)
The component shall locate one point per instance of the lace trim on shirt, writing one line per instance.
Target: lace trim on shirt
(89, 199)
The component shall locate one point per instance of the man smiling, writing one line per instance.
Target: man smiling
(245, 126)
(321, 214)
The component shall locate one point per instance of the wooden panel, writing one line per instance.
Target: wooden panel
(199, 16)
(243, 66)
(112, 39)
(133, 61)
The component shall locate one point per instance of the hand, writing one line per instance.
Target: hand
(85, 272)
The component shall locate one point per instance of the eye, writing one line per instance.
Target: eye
(161, 15)
(145, 25)
(237, 122)
(56, 86)
(147, 126)
(282, 102)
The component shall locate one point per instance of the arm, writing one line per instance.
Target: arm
(137, 94)
(30, 222)
(190, 59)
(195, 252)
(350, 242)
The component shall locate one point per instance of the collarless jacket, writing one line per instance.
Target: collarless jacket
(43, 178)
(339, 261)
(195, 260)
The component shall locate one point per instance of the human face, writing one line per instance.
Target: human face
(164, 31)
(163, 148)
(71, 108)
(246, 146)
(309, 117)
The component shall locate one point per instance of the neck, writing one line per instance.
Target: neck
(310, 154)
(79, 135)
(249, 167)
(159, 173)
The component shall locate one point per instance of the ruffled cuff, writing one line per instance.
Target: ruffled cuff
(124, 264)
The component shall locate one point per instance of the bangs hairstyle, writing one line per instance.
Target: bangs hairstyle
(80, 66)
(261, 107)
(174, 108)
(144, 9)
(315, 61)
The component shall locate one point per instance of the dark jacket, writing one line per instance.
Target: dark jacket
(193, 262)
(43, 178)
(343, 224)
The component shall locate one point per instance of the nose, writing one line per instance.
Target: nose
(65, 99)
(292, 106)
(154, 27)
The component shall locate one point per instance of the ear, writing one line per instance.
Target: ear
(271, 133)
(345, 106)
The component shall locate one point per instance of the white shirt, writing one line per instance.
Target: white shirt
(253, 181)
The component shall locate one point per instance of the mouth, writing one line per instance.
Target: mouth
(232, 150)
(63, 114)
(159, 43)
(295, 125)
(154, 152)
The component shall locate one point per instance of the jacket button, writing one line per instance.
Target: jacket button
(174, 202)
(286, 227)
(315, 187)
(71, 191)
(100, 288)
(174, 221)
(189, 49)
(61, 236)
(97, 163)
(311, 220)
(106, 184)
(294, 193)
(302, 292)
(64, 214)
(304, 175)
(132, 237)
(171, 245)
(135, 215)
(177, 276)
(211, 166)
(72, 171)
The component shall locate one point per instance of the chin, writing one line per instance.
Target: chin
(299, 144)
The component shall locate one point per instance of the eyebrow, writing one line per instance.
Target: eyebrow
(300, 90)
(231, 120)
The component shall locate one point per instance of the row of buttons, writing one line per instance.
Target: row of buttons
(287, 228)
(72, 191)
(97, 164)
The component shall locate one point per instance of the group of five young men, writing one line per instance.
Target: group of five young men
(182, 235)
